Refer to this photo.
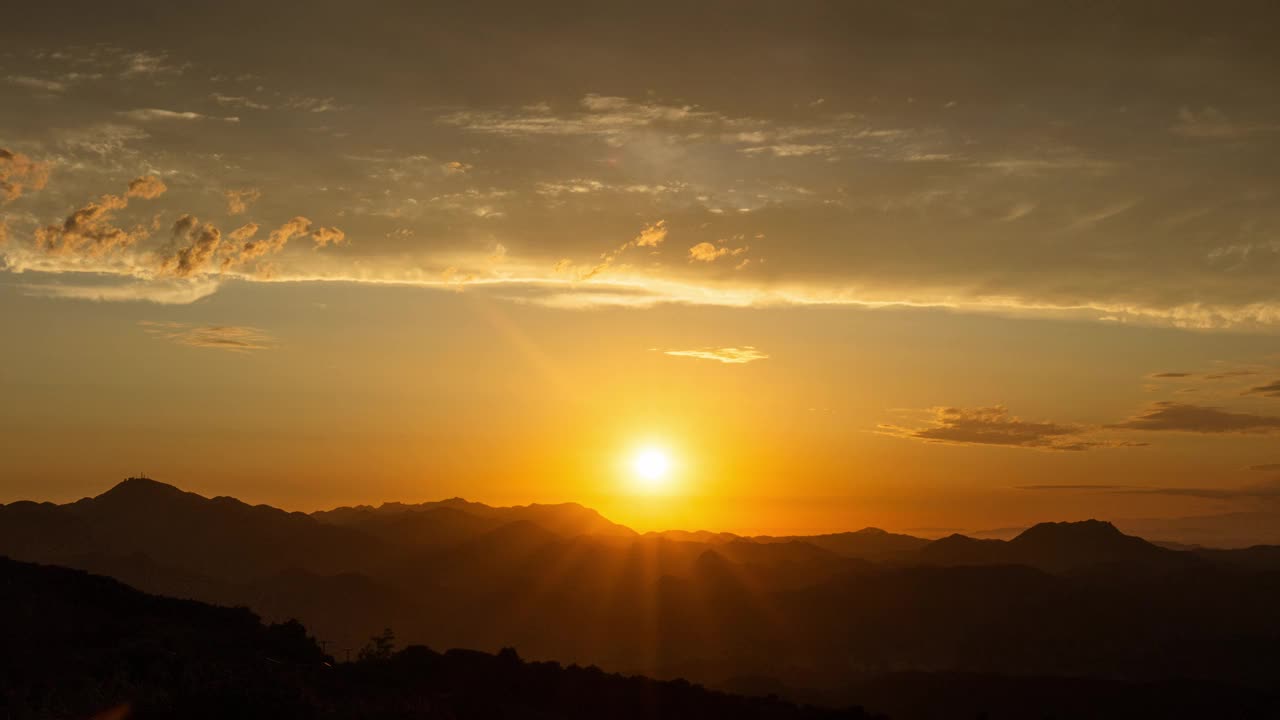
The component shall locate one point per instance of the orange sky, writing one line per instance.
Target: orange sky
(919, 273)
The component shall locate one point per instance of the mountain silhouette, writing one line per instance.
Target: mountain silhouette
(567, 519)
(819, 616)
(1058, 547)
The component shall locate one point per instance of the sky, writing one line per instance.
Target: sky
(907, 264)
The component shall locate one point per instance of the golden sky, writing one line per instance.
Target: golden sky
(847, 264)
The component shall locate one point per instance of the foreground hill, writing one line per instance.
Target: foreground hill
(74, 645)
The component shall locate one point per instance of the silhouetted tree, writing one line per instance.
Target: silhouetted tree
(380, 647)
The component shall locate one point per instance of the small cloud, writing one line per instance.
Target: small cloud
(160, 114)
(1018, 211)
(791, 149)
(728, 355)
(1267, 467)
(323, 236)
(652, 235)
(18, 174)
(456, 167)
(707, 252)
(1172, 375)
(237, 101)
(234, 338)
(35, 83)
(1230, 374)
(1180, 417)
(311, 104)
(238, 201)
(1271, 389)
(147, 187)
(1073, 487)
(149, 64)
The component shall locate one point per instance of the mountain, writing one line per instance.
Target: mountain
(221, 536)
(108, 650)
(568, 519)
(811, 614)
(866, 544)
(1058, 547)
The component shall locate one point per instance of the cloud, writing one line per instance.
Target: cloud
(728, 355)
(1262, 491)
(163, 292)
(1268, 467)
(35, 83)
(995, 426)
(147, 187)
(275, 242)
(149, 64)
(706, 252)
(159, 114)
(791, 149)
(323, 236)
(234, 338)
(89, 231)
(1212, 124)
(1179, 417)
(237, 101)
(104, 139)
(196, 246)
(312, 104)
(243, 233)
(1073, 487)
(18, 174)
(1271, 389)
(1220, 375)
(652, 235)
(601, 115)
(238, 201)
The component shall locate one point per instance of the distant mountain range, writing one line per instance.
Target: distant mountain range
(816, 615)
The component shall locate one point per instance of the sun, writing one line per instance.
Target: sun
(652, 468)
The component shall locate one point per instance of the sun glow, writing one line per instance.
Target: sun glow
(651, 468)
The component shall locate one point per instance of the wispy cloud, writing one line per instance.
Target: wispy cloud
(1271, 389)
(728, 355)
(1262, 491)
(1180, 417)
(36, 83)
(238, 201)
(233, 338)
(160, 114)
(1211, 123)
(996, 426)
(160, 292)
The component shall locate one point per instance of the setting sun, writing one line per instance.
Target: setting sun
(652, 467)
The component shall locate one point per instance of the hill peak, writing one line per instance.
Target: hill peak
(142, 488)
(1083, 529)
